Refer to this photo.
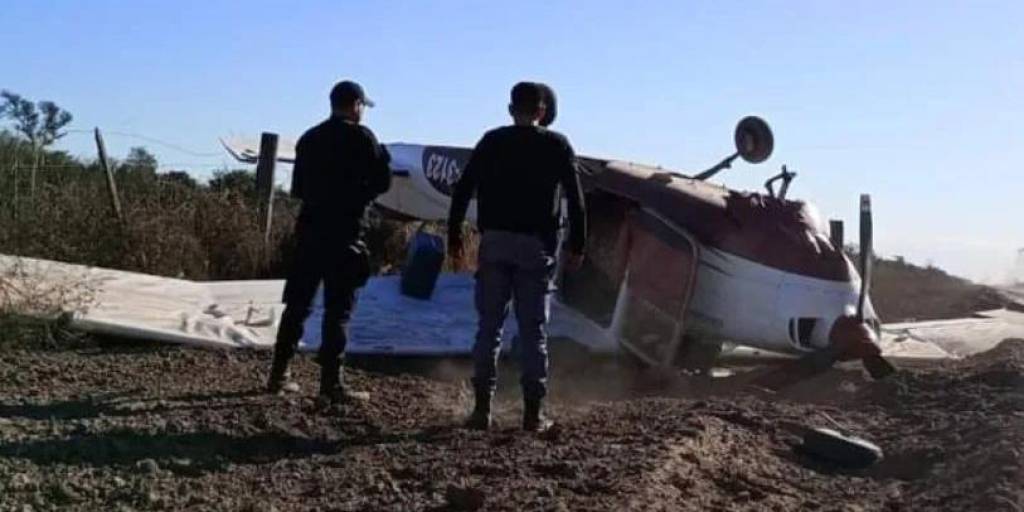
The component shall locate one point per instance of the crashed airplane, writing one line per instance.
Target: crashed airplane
(679, 272)
(678, 268)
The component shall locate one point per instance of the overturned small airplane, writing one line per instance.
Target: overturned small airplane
(678, 269)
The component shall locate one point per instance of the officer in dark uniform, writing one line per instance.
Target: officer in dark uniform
(340, 168)
(519, 174)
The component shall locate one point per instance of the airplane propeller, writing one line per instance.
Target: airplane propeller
(866, 253)
(851, 336)
(874, 363)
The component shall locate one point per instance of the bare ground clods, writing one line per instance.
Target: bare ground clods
(164, 428)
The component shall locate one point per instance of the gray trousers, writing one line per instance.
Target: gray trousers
(514, 268)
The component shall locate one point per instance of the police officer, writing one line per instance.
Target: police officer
(519, 174)
(340, 168)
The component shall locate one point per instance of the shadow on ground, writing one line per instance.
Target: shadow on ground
(197, 452)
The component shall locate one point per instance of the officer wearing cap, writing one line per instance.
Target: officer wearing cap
(340, 168)
(519, 174)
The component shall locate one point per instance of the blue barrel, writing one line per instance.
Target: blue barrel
(423, 265)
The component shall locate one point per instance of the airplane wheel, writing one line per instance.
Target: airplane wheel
(552, 102)
(848, 451)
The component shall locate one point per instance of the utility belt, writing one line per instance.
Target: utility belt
(343, 246)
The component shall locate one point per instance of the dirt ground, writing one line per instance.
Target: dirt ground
(150, 427)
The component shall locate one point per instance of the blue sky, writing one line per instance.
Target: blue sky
(919, 103)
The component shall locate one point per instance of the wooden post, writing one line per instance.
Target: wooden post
(17, 162)
(35, 168)
(835, 233)
(115, 200)
(16, 204)
(265, 181)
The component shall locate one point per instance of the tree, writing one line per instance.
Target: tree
(140, 161)
(180, 177)
(54, 121)
(24, 114)
(239, 181)
(41, 123)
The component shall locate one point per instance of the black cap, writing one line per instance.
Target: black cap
(346, 92)
(527, 95)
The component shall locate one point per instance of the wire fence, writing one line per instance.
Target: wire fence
(56, 206)
(172, 225)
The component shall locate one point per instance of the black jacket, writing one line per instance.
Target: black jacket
(519, 174)
(340, 168)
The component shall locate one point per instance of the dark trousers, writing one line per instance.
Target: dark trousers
(514, 268)
(320, 259)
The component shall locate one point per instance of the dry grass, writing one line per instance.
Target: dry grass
(171, 229)
(23, 292)
(33, 310)
(905, 292)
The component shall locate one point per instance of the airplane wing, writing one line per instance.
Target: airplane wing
(245, 314)
(960, 337)
(247, 149)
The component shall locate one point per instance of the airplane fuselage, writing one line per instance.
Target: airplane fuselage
(751, 269)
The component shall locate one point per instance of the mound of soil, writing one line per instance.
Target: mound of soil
(901, 291)
(165, 428)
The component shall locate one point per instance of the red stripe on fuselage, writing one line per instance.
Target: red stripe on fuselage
(777, 233)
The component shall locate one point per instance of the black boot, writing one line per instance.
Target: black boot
(533, 416)
(280, 377)
(480, 418)
(333, 390)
